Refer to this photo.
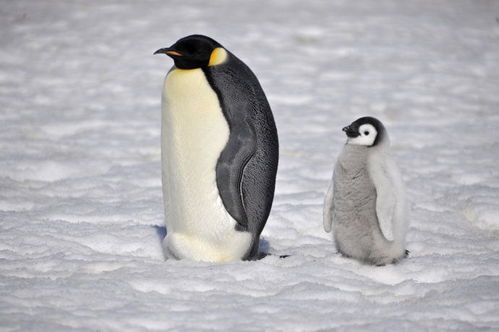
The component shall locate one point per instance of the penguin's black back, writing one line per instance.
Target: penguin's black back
(247, 166)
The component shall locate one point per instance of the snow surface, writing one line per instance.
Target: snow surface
(81, 214)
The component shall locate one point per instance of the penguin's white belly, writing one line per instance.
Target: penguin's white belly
(194, 133)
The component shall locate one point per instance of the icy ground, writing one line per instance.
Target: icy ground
(80, 192)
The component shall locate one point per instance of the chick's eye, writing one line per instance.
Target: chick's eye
(366, 133)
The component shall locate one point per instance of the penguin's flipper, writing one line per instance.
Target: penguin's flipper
(385, 196)
(245, 179)
(247, 166)
(390, 196)
(239, 150)
(258, 184)
(327, 217)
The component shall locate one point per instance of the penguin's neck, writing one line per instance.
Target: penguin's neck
(353, 157)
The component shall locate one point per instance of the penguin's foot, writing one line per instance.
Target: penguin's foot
(398, 259)
(385, 261)
(376, 257)
(261, 255)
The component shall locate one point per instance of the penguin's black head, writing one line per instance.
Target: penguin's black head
(195, 51)
(366, 131)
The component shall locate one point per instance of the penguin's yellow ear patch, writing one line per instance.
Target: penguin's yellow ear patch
(218, 56)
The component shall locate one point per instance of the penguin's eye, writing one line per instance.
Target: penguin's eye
(366, 133)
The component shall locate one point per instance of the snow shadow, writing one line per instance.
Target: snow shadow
(160, 232)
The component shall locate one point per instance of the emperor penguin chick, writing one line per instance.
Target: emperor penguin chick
(365, 205)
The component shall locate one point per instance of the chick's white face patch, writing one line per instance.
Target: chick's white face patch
(367, 135)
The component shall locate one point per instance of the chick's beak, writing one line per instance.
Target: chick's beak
(350, 132)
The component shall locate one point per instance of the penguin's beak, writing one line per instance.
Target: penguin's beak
(352, 133)
(168, 51)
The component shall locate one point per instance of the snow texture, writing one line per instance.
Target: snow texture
(81, 212)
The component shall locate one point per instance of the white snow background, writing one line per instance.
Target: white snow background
(81, 212)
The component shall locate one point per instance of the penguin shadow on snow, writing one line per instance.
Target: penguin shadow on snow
(160, 232)
(264, 244)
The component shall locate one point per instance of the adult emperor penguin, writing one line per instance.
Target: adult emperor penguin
(365, 205)
(219, 154)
